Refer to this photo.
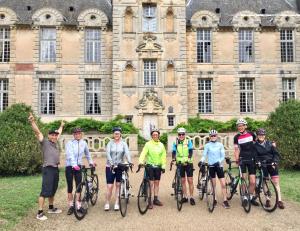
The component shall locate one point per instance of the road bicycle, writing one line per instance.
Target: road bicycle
(124, 192)
(144, 194)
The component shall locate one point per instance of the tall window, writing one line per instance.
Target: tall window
(47, 96)
(246, 46)
(246, 95)
(92, 45)
(3, 94)
(287, 45)
(150, 72)
(171, 120)
(4, 45)
(203, 46)
(149, 18)
(48, 45)
(205, 96)
(92, 96)
(288, 89)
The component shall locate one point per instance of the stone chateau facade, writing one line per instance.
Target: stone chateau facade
(158, 62)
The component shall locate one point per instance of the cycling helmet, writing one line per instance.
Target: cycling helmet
(241, 121)
(261, 131)
(155, 130)
(117, 129)
(181, 130)
(77, 130)
(213, 132)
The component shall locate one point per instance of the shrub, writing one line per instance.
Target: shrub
(20, 150)
(283, 126)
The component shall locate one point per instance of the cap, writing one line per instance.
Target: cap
(52, 131)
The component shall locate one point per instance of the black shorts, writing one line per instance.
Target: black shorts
(70, 175)
(50, 178)
(187, 170)
(270, 171)
(112, 176)
(216, 169)
(153, 173)
(250, 165)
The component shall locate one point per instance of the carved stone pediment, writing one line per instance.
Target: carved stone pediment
(150, 102)
(149, 45)
(287, 19)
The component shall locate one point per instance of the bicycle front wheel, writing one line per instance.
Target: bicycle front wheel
(81, 201)
(123, 197)
(229, 185)
(179, 195)
(95, 189)
(201, 185)
(245, 195)
(144, 197)
(268, 196)
(210, 195)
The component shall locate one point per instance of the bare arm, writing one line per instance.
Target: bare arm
(236, 153)
(62, 123)
(35, 128)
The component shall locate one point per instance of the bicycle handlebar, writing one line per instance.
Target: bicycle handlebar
(139, 167)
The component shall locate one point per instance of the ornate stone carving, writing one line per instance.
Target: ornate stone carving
(149, 47)
(8, 16)
(93, 18)
(204, 19)
(287, 19)
(150, 100)
(246, 19)
(47, 17)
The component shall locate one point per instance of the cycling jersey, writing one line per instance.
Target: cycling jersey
(215, 153)
(245, 142)
(75, 149)
(183, 150)
(266, 151)
(115, 152)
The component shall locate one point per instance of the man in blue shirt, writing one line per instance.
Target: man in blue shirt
(215, 153)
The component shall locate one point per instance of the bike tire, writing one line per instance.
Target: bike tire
(245, 195)
(95, 190)
(210, 195)
(200, 185)
(179, 195)
(83, 198)
(230, 187)
(268, 190)
(144, 197)
(123, 197)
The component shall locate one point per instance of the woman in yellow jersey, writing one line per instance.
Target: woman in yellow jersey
(154, 156)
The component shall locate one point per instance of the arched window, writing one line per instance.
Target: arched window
(128, 20)
(170, 20)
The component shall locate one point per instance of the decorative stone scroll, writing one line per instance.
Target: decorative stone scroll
(150, 102)
(287, 19)
(93, 18)
(205, 19)
(246, 19)
(7, 16)
(47, 17)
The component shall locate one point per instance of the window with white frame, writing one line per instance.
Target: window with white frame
(4, 45)
(287, 45)
(149, 18)
(171, 120)
(48, 45)
(47, 96)
(288, 89)
(3, 94)
(92, 45)
(246, 95)
(150, 72)
(203, 46)
(205, 96)
(246, 54)
(93, 96)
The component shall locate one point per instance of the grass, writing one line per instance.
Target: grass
(290, 184)
(18, 195)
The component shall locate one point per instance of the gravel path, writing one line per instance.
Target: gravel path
(166, 217)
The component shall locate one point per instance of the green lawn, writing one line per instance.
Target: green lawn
(290, 184)
(17, 196)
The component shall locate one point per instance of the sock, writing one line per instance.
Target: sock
(40, 211)
(155, 198)
(50, 206)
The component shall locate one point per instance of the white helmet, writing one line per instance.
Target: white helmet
(241, 121)
(213, 132)
(181, 130)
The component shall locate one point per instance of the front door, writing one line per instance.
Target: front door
(150, 122)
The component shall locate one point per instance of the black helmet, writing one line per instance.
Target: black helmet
(261, 131)
(117, 129)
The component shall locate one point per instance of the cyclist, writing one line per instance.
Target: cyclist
(266, 151)
(244, 152)
(115, 151)
(183, 153)
(215, 153)
(154, 155)
(75, 149)
(50, 173)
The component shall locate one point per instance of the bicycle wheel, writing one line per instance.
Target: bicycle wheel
(81, 211)
(201, 185)
(210, 195)
(245, 196)
(144, 197)
(123, 197)
(229, 185)
(95, 189)
(179, 191)
(268, 196)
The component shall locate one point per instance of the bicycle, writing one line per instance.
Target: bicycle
(231, 183)
(265, 188)
(144, 195)
(206, 187)
(177, 185)
(88, 192)
(124, 192)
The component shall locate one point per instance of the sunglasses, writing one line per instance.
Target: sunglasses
(181, 134)
(213, 136)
